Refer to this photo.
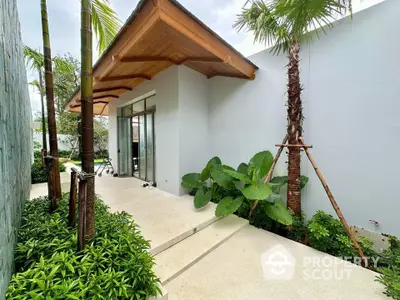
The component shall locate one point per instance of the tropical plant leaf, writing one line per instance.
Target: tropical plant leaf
(276, 187)
(278, 212)
(220, 177)
(243, 168)
(228, 206)
(258, 191)
(242, 177)
(303, 181)
(260, 164)
(202, 197)
(192, 180)
(282, 180)
(226, 167)
(206, 173)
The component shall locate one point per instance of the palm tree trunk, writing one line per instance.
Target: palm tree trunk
(44, 138)
(51, 116)
(294, 129)
(87, 111)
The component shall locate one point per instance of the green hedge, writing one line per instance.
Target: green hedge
(39, 173)
(116, 264)
(67, 154)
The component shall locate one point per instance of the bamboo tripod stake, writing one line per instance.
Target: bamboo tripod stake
(335, 205)
(324, 184)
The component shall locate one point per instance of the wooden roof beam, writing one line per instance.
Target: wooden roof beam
(168, 59)
(200, 59)
(105, 105)
(102, 97)
(125, 77)
(97, 102)
(232, 76)
(146, 59)
(118, 88)
(177, 17)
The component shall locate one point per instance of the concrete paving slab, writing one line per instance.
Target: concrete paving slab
(40, 189)
(164, 219)
(175, 260)
(235, 271)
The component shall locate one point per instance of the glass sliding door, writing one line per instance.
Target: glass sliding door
(136, 140)
(124, 146)
(150, 151)
(142, 147)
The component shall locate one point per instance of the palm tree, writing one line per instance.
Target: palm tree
(36, 61)
(98, 14)
(54, 175)
(287, 23)
(87, 110)
(106, 24)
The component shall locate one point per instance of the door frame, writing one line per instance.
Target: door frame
(145, 112)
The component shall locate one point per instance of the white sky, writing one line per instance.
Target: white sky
(64, 22)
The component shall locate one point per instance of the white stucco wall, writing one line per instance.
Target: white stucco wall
(181, 124)
(351, 107)
(165, 85)
(193, 121)
(350, 103)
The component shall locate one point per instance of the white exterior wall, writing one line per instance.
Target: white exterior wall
(165, 85)
(351, 105)
(193, 121)
(181, 124)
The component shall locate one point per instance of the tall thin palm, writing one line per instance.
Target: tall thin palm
(288, 24)
(36, 61)
(87, 111)
(106, 25)
(96, 14)
(54, 183)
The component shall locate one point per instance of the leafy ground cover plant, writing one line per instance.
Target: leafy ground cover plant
(327, 234)
(390, 269)
(116, 264)
(234, 189)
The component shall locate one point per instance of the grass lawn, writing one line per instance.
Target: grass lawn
(96, 161)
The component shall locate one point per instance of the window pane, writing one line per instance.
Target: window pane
(150, 103)
(138, 107)
(127, 111)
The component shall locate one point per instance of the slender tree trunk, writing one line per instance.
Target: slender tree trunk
(87, 110)
(51, 116)
(44, 138)
(294, 129)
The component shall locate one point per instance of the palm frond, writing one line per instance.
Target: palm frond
(105, 23)
(62, 64)
(33, 58)
(35, 84)
(280, 22)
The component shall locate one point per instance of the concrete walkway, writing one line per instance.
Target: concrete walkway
(199, 256)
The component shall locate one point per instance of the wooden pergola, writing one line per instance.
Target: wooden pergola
(159, 34)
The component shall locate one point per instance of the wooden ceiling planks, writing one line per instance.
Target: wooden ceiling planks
(159, 34)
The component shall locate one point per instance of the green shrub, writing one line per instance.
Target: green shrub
(116, 264)
(37, 155)
(390, 269)
(39, 173)
(237, 190)
(327, 234)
